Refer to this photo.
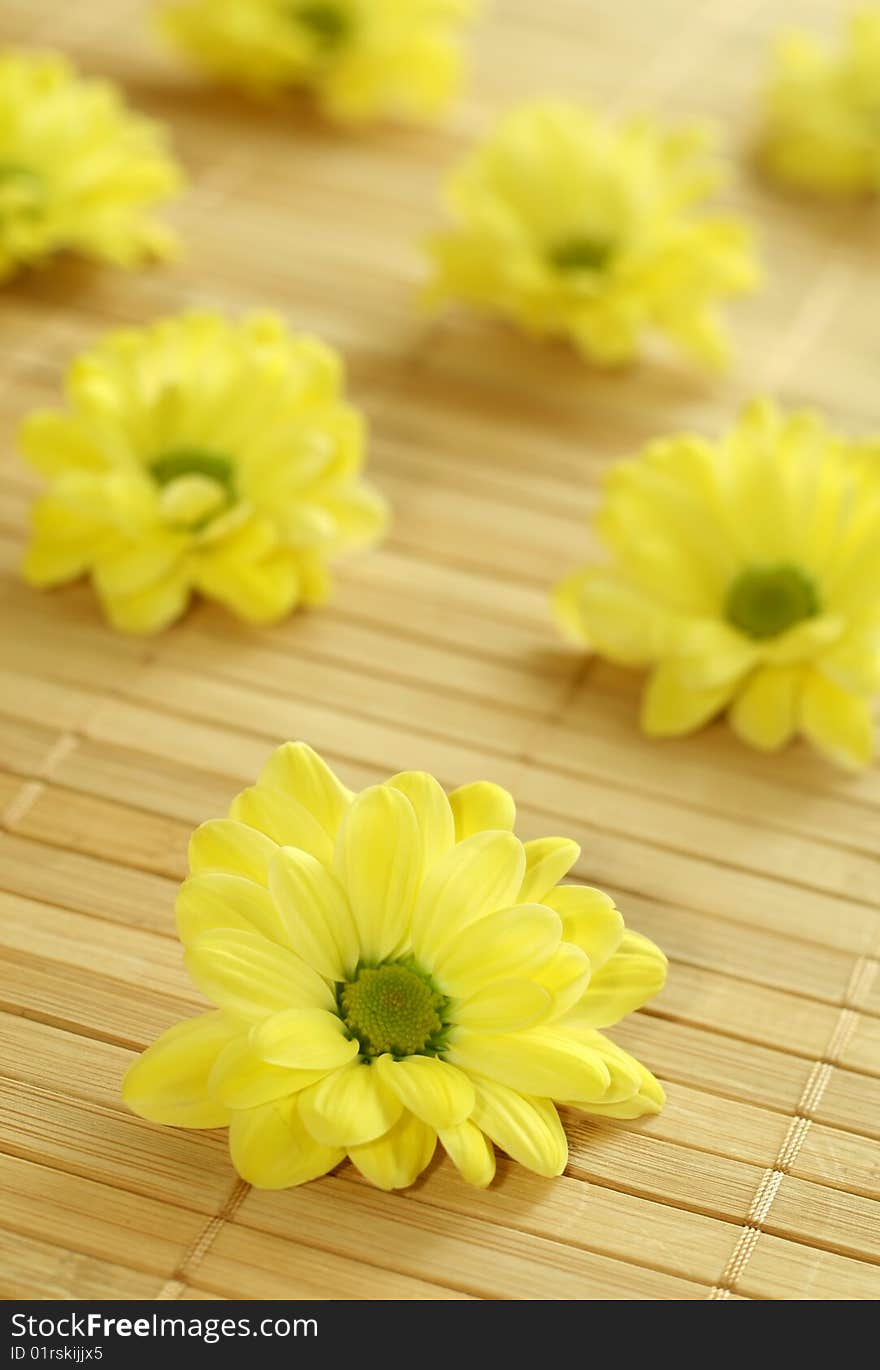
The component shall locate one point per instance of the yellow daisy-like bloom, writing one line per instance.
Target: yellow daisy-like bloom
(389, 968)
(822, 111)
(576, 228)
(199, 454)
(361, 59)
(78, 172)
(745, 574)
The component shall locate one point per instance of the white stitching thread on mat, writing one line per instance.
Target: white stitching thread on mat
(814, 314)
(860, 982)
(23, 801)
(198, 1250)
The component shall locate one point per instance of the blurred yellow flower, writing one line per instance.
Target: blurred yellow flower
(745, 575)
(362, 59)
(199, 454)
(822, 111)
(576, 228)
(390, 968)
(78, 172)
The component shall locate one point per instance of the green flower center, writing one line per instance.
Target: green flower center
(22, 191)
(195, 486)
(767, 600)
(582, 254)
(192, 461)
(328, 24)
(393, 1008)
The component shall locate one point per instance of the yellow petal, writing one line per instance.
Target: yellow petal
(589, 919)
(133, 567)
(805, 641)
(715, 654)
(505, 1006)
(470, 1152)
(271, 1149)
(528, 1129)
(633, 975)
(854, 661)
(151, 609)
(189, 500)
(509, 943)
(548, 860)
(236, 542)
(838, 723)
(565, 977)
(625, 1071)
(282, 818)
(350, 1107)
(305, 526)
(169, 1082)
(56, 444)
(566, 605)
(296, 770)
(379, 863)
(430, 1088)
(223, 845)
(318, 921)
(433, 814)
(258, 591)
(240, 1079)
(639, 1106)
(303, 1039)
(69, 529)
(360, 517)
(480, 807)
(215, 899)
(545, 1061)
(481, 874)
(399, 1157)
(80, 505)
(764, 713)
(316, 582)
(618, 621)
(669, 708)
(246, 974)
(52, 561)
(650, 1097)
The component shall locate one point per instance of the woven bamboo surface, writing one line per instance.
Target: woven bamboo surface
(759, 876)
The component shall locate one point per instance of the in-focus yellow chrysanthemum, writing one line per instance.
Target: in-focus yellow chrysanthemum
(78, 172)
(389, 968)
(822, 111)
(576, 228)
(745, 575)
(361, 59)
(200, 455)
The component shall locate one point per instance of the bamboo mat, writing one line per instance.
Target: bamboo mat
(758, 876)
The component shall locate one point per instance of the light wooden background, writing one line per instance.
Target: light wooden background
(759, 876)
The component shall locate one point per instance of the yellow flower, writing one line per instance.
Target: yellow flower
(361, 59)
(745, 574)
(822, 111)
(78, 172)
(389, 968)
(574, 228)
(199, 454)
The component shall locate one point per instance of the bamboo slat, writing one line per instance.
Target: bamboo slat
(759, 876)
